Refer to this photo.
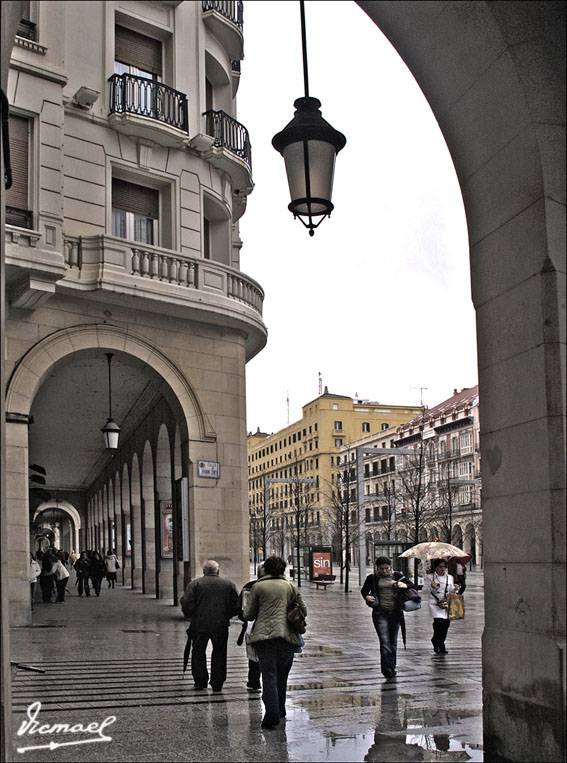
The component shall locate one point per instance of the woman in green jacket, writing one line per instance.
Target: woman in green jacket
(273, 639)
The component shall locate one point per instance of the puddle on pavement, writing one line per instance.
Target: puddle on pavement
(315, 685)
(314, 650)
(402, 731)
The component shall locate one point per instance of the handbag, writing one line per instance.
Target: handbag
(117, 564)
(295, 616)
(410, 599)
(455, 606)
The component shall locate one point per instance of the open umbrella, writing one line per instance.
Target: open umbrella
(433, 550)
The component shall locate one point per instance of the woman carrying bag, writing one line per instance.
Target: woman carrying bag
(439, 584)
(273, 637)
(381, 592)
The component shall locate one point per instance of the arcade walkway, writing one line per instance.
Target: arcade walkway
(121, 655)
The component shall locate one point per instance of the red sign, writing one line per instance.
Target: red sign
(321, 563)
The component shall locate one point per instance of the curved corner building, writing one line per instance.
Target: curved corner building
(125, 298)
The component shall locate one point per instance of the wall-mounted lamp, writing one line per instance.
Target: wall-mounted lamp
(111, 430)
(85, 97)
(309, 146)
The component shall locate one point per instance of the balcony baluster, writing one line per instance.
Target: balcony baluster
(147, 98)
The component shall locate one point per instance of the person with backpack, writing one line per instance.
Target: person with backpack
(381, 592)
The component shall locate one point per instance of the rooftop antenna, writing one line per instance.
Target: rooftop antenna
(287, 400)
(320, 383)
(420, 393)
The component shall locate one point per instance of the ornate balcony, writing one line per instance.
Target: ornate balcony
(224, 19)
(145, 108)
(231, 150)
(171, 283)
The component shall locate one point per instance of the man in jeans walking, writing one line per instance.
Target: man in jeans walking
(209, 602)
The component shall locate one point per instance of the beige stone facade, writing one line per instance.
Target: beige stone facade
(307, 449)
(122, 239)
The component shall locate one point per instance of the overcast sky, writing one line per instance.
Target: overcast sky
(378, 301)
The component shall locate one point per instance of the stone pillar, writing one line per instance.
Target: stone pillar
(17, 521)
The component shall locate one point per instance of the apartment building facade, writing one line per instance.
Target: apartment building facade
(435, 493)
(130, 172)
(292, 472)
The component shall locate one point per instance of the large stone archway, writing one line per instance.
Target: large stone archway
(494, 76)
(43, 359)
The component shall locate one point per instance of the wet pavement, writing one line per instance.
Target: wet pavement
(120, 656)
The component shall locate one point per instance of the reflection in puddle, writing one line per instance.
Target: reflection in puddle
(315, 650)
(314, 685)
(324, 702)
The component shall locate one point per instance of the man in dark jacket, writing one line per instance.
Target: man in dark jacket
(210, 602)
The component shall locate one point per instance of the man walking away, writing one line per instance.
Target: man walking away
(209, 602)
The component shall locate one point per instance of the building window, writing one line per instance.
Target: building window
(365, 426)
(18, 210)
(338, 424)
(338, 442)
(137, 54)
(466, 442)
(135, 212)
(384, 426)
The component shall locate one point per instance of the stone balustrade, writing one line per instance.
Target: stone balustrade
(89, 256)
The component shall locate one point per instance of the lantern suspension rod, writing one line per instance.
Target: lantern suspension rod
(109, 357)
(304, 48)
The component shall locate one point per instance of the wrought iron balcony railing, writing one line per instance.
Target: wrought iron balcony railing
(22, 218)
(229, 134)
(148, 98)
(230, 9)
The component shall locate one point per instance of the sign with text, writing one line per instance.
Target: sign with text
(321, 563)
(166, 510)
(209, 469)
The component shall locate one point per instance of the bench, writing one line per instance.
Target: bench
(326, 581)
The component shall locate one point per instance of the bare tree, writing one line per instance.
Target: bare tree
(344, 520)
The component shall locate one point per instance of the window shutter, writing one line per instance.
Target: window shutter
(135, 198)
(137, 50)
(17, 195)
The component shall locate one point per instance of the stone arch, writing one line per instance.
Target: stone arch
(457, 536)
(164, 496)
(55, 348)
(494, 77)
(69, 509)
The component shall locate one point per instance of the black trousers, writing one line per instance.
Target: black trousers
(199, 670)
(276, 659)
(440, 628)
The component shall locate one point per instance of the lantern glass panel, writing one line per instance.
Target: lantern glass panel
(321, 170)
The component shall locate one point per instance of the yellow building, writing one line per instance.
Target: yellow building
(306, 450)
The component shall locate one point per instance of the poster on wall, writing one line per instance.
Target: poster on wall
(128, 538)
(166, 508)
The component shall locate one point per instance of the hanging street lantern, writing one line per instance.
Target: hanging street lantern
(309, 146)
(111, 430)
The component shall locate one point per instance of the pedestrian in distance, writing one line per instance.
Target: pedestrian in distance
(273, 638)
(438, 584)
(209, 602)
(47, 578)
(83, 569)
(61, 578)
(380, 591)
(253, 682)
(111, 563)
(458, 570)
(35, 572)
(98, 571)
